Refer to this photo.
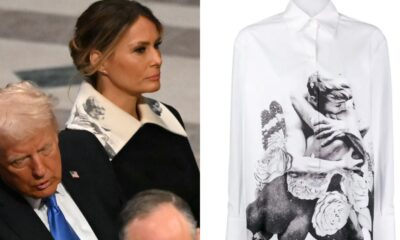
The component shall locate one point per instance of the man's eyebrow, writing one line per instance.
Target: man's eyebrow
(45, 146)
(17, 157)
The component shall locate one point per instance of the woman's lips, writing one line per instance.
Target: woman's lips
(155, 77)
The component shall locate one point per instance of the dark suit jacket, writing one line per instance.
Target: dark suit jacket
(94, 193)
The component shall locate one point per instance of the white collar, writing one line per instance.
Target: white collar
(112, 126)
(37, 203)
(297, 18)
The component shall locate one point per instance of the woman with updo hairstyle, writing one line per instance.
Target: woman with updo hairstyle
(115, 47)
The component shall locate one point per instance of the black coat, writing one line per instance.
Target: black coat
(153, 158)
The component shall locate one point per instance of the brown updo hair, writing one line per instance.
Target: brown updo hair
(100, 27)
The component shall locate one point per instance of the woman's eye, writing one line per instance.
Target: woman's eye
(157, 45)
(140, 50)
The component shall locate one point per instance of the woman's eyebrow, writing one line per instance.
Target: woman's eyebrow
(139, 43)
(143, 43)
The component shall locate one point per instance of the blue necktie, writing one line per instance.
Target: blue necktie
(59, 227)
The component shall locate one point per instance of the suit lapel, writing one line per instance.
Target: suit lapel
(82, 193)
(20, 217)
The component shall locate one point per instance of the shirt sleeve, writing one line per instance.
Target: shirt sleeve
(236, 227)
(382, 129)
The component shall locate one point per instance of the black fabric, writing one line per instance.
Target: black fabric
(96, 191)
(17, 218)
(93, 192)
(153, 158)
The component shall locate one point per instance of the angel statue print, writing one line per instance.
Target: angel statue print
(324, 191)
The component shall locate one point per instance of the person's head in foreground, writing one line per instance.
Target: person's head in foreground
(158, 215)
(30, 161)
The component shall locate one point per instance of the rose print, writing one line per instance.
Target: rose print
(356, 189)
(331, 213)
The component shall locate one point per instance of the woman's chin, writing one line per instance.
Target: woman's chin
(153, 88)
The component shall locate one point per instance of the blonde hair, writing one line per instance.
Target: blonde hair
(24, 110)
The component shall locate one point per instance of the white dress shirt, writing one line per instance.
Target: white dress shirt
(71, 212)
(278, 63)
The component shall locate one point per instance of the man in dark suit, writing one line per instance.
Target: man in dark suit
(40, 196)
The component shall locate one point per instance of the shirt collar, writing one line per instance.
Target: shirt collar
(297, 19)
(112, 126)
(37, 203)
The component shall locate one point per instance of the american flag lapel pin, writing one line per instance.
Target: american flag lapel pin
(74, 174)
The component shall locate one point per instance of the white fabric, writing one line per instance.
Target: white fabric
(273, 61)
(111, 125)
(71, 212)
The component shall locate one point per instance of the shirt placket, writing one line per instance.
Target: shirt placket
(311, 36)
(311, 45)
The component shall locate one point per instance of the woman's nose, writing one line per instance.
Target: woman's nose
(156, 58)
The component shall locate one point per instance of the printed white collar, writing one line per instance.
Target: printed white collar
(112, 126)
(297, 19)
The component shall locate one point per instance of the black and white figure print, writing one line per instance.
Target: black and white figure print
(324, 191)
(154, 105)
(93, 109)
(276, 161)
(87, 116)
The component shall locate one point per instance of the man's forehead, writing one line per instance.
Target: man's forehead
(165, 222)
(36, 140)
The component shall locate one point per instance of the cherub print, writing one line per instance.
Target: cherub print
(325, 191)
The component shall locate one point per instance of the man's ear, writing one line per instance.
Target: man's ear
(95, 57)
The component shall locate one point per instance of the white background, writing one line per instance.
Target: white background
(221, 20)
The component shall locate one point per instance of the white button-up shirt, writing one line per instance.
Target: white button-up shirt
(311, 128)
(71, 212)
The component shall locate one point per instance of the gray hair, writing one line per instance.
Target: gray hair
(24, 110)
(144, 203)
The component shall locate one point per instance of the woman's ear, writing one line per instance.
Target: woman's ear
(95, 57)
(198, 234)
